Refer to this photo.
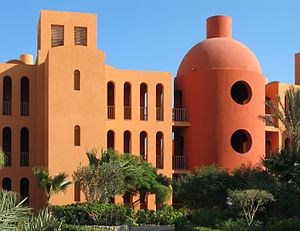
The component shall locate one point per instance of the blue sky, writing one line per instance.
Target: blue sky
(156, 34)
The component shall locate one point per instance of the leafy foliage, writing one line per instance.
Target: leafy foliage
(51, 184)
(2, 158)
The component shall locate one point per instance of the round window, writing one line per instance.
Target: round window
(241, 92)
(241, 141)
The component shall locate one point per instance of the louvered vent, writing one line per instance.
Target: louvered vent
(80, 36)
(57, 35)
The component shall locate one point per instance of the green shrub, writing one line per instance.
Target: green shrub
(93, 214)
(238, 225)
(284, 225)
(82, 228)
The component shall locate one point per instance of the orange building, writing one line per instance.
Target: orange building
(70, 101)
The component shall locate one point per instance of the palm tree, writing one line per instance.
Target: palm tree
(51, 184)
(288, 114)
(2, 158)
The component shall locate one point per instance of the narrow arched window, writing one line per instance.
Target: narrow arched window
(143, 145)
(127, 101)
(127, 142)
(159, 102)
(24, 147)
(6, 145)
(77, 191)
(24, 96)
(76, 80)
(110, 139)
(7, 93)
(24, 189)
(143, 102)
(159, 150)
(110, 100)
(77, 135)
(6, 184)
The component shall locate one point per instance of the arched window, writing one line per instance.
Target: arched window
(7, 92)
(77, 135)
(24, 189)
(77, 191)
(110, 139)
(24, 147)
(159, 150)
(6, 184)
(159, 102)
(24, 96)
(6, 145)
(76, 80)
(143, 145)
(110, 100)
(143, 102)
(127, 142)
(127, 101)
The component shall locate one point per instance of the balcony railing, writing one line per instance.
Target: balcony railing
(160, 113)
(127, 112)
(24, 108)
(7, 159)
(159, 161)
(24, 160)
(180, 115)
(6, 108)
(143, 113)
(179, 163)
(111, 112)
(271, 121)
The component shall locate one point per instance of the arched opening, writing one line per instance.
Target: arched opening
(110, 139)
(267, 109)
(143, 145)
(159, 102)
(24, 147)
(241, 141)
(6, 184)
(24, 189)
(159, 150)
(241, 92)
(76, 80)
(110, 100)
(127, 101)
(127, 142)
(77, 135)
(178, 99)
(77, 191)
(143, 102)
(7, 92)
(24, 96)
(287, 144)
(6, 145)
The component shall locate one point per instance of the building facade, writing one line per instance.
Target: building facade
(69, 101)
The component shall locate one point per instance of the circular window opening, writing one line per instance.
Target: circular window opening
(241, 92)
(241, 141)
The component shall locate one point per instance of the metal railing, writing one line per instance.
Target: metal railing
(143, 113)
(24, 159)
(111, 112)
(127, 112)
(271, 121)
(159, 161)
(7, 159)
(24, 108)
(179, 163)
(6, 107)
(160, 113)
(180, 115)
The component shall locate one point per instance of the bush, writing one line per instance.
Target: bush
(283, 225)
(82, 228)
(239, 225)
(93, 214)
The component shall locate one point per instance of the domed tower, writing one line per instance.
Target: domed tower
(221, 83)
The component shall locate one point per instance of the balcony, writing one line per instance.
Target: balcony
(180, 117)
(111, 112)
(179, 163)
(127, 112)
(271, 121)
(24, 108)
(6, 108)
(24, 161)
(143, 113)
(159, 113)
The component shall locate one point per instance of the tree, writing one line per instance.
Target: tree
(250, 201)
(288, 114)
(205, 188)
(51, 184)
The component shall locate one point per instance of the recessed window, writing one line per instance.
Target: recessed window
(241, 141)
(80, 36)
(241, 92)
(76, 80)
(57, 35)
(77, 135)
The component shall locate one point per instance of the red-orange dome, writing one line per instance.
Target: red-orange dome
(219, 53)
